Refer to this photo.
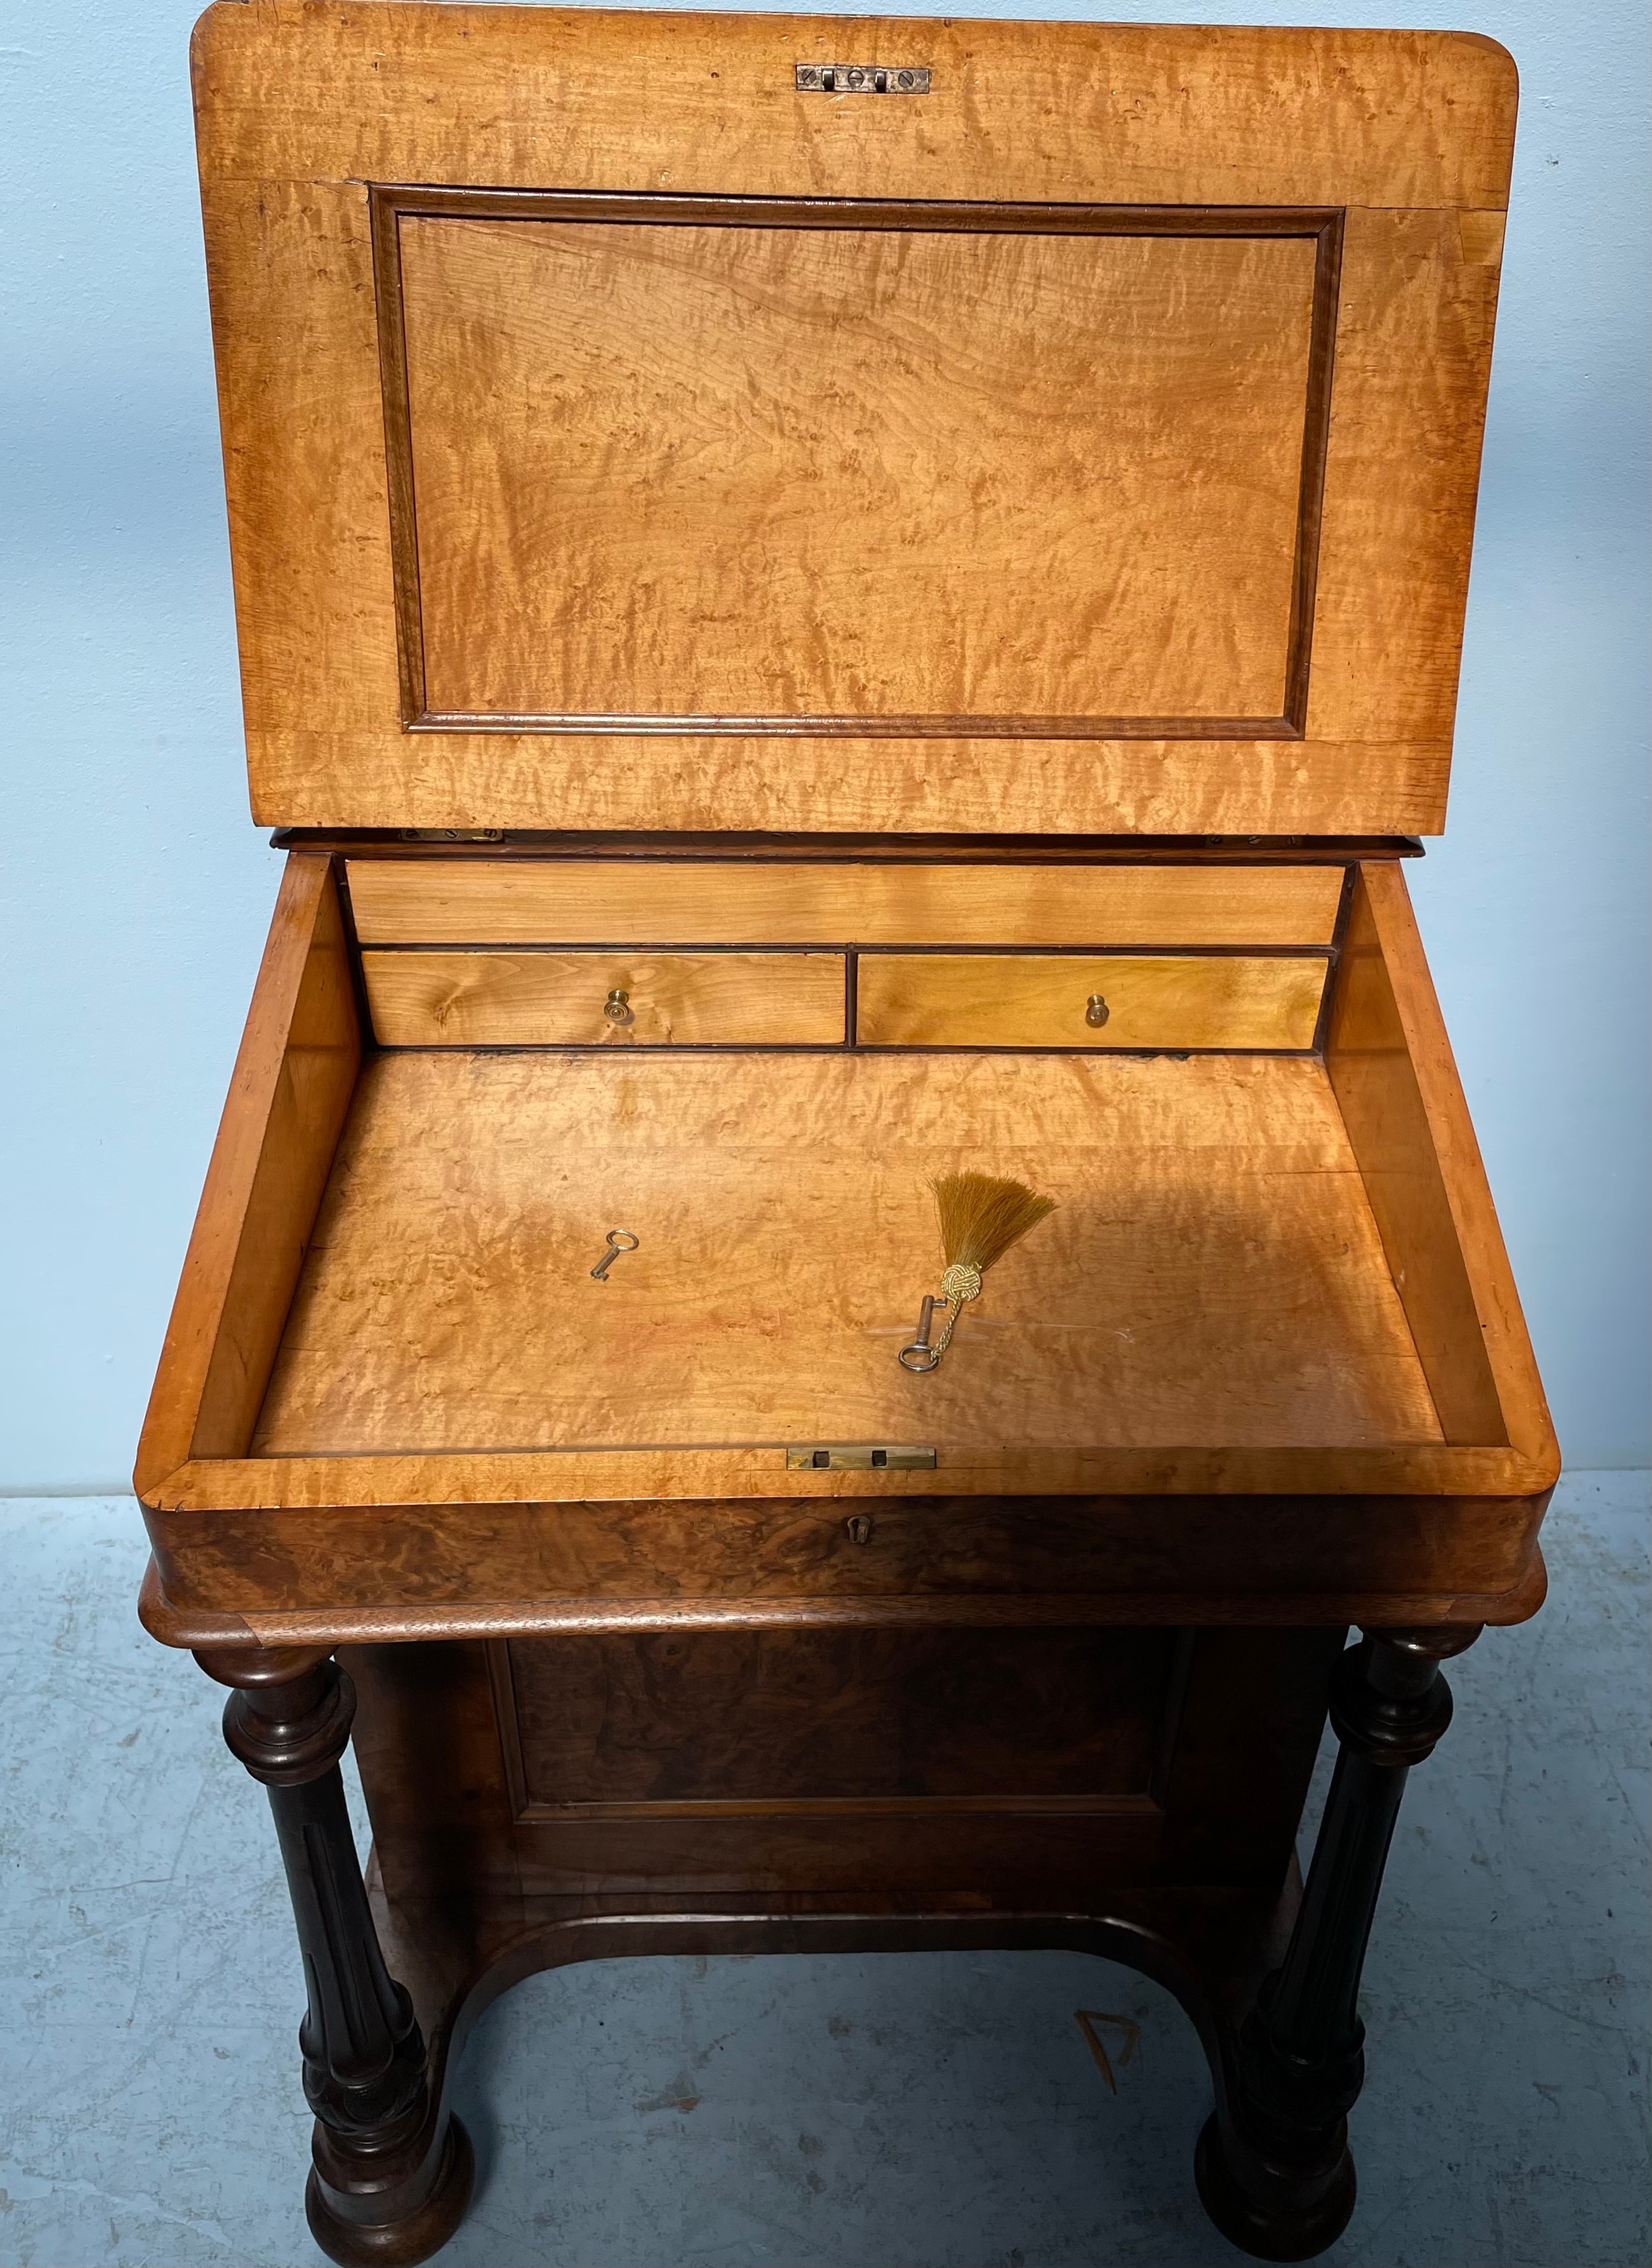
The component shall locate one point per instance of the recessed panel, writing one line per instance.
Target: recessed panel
(795, 1720)
(891, 478)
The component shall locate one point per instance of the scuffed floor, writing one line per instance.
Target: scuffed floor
(894, 2112)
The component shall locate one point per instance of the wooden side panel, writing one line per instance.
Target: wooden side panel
(1375, 1085)
(562, 999)
(1391, 1071)
(293, 1080)
(1409, 135)
(427, 1744)
(1252, 1714)
(763, 901)
(835, 1759)
(1065, 1000)
(1417, 303)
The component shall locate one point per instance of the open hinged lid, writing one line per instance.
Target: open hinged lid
(656, 421)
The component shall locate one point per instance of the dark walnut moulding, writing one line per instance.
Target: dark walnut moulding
(960, 707)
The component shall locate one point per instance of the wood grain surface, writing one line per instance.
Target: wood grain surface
(292, 1085)
(1390, 1066)
(1150, 114)
(731, 1720)
(769, 902)
(415, 1480)
(725, 472)
(1213, 1275)
(300, 108)
(1033, 1000)
(555, 999)
(1421, 1543)
(1061, 1755)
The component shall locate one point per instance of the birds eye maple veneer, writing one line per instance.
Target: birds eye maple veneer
(811, 619)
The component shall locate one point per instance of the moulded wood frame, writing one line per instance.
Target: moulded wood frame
(1323, 228)
(371, 1546)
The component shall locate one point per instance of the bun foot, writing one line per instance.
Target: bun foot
(1282, 2230)
(416, 2234)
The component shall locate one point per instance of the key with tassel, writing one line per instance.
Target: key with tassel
(981, 1217)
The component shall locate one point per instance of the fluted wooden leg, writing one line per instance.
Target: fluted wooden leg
(1274, 2166)
(389, 2184)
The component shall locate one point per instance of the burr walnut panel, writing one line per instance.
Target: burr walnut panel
(813, 1721)
(1017, 473)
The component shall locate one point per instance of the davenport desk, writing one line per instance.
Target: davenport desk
(824, 602)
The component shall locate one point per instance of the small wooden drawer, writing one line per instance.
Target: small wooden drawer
(1072, 1000)
(613, 999)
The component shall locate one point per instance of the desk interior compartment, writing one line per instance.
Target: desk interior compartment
(1269, 1267)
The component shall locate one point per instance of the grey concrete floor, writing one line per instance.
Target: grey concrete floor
(941, 2110)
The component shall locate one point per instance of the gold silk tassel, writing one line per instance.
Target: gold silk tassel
(981, 1217)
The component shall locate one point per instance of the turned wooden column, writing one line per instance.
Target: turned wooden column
(389, 2184)
(1272, 2166)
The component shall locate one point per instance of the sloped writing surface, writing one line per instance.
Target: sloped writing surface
(1213, 1276)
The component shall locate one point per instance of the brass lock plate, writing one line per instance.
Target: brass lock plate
(862, 78)
(859, 1457)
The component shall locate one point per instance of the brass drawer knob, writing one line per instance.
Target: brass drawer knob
(1097, 1011)
(617, 1007)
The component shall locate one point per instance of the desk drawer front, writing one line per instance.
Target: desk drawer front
(1072, 1000)
(612, 998)
(663, 902)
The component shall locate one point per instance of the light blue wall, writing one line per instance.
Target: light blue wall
(136, 891)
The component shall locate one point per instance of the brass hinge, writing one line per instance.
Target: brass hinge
(452, 834)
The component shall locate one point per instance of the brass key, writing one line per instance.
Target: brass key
(619, 1239)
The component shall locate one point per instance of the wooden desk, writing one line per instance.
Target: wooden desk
(732, 767)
